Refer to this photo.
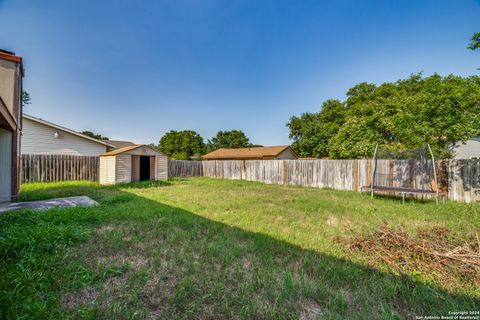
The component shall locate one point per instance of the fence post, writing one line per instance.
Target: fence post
(442, 175)
(284, 172)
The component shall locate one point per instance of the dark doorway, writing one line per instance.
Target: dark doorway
(144, 168)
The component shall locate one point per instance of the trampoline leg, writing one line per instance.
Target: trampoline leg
(403, 198)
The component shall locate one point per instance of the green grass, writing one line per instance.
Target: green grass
(208, 249)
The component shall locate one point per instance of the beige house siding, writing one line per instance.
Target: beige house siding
(107, 170)
(38, 138)
(8, 71)
(469, 150)
(123, 168)
(161, 167)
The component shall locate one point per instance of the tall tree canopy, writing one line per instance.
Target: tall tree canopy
(474, 41)
(94, 135)
(402, 115)
(181, 145)
(312, 132)
(228, 139)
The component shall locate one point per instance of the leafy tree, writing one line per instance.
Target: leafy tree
(312, 132)
(181, 145)
(228, 139)
(26, 98)
(94, 135)
(154, 146)
(402, 115)
(474, 41)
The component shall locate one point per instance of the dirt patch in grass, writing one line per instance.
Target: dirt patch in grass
(332, 221)
(310, 310)
(84, 296)
(432, 255)
(106, 228)
(136, 262)
(104, 295)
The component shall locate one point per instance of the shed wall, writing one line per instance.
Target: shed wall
(162, 167)
(107, 170)
(123, 168)
(143, 151)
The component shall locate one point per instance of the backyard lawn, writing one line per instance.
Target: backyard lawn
(220, 249)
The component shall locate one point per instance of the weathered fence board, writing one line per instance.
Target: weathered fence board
(464, 180)
(180, 168)
(52, 168)
(460, 179)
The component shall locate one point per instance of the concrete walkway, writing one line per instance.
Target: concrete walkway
(48, 204)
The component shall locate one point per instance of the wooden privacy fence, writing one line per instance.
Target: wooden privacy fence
(460, 179)
(180, 168)
(51, 168)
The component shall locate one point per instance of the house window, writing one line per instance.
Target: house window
(475, 157)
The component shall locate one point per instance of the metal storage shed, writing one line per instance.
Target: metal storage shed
(132, 163)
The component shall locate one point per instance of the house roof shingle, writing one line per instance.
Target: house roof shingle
(245, 153)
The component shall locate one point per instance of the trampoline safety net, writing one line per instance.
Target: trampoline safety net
(404, 172)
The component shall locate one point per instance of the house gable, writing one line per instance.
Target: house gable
(42, 138)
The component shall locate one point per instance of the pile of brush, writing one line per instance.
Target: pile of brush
(437, 252)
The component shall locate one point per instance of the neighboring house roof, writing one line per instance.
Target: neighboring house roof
(239, 153)
(56, 126)
(125, 149)
(120, 143)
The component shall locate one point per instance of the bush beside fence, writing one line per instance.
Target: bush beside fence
(460, 179)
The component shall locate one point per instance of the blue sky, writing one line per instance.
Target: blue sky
(137, 69)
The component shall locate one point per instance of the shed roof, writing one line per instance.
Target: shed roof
(56, 126)
(239, 153)
(126, 149)
(120, 143)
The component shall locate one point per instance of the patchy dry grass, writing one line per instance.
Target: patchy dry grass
(217, 249)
